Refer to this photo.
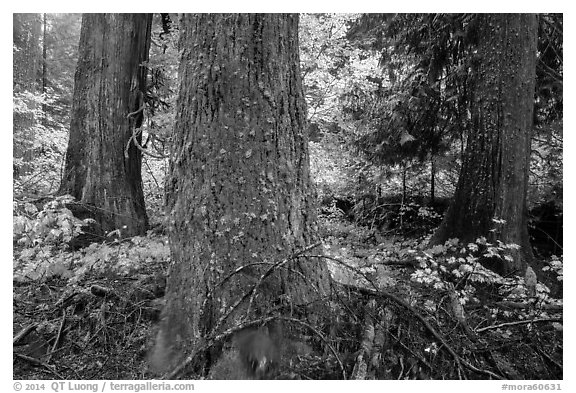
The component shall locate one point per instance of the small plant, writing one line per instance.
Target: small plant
(454, 263)
(53, 225)
(555, 265)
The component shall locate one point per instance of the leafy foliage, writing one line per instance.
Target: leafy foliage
(49, 259)
(42, 238)
(53, 225)
(38, 149)
(41, 235)
(330, 66)
(42, 102)
(460, 266)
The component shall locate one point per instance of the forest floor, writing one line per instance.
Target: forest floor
(92, 314)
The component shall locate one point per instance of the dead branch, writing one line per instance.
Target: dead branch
(37, 362)
(524, 306)
(360, 370)
(58, 336)
(23, 333)
(383, 294)
(500, 325)
(322, 337)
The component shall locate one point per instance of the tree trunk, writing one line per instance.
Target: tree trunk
(26, 57)
(26, 40)
(494, 176)
(432, 179)
(239, 194)
(44, 74)
(103, 165)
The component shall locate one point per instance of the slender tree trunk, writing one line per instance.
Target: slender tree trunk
(26, 40)
(44, 73)
(494, 176)
(103, 164)
(26, 58)
(240, 195)
(432, 179)
(404, 170)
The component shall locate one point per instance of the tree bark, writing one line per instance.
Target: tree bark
(494, 176)
(240, 194)
(103, 165)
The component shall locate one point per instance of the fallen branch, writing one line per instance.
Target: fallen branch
(319, 334)
(37, 362)
(524, 306)
(518, 323)
(250, 293)
(23, 333)
(360, 370)
(59, 335)
(383, 294)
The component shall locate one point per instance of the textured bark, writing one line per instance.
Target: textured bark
(240, 190)
(494, 177)
(109, 85)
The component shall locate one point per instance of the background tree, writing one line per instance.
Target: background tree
(161, 95)
(414, 122)
(240, 196)
(26, 60)
(26, 47)
(418, 113)
(103, 162)
(545, 192)
(490, 197)
(61, 38)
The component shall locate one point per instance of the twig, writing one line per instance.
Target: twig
(554, 362)
(319, 334)
(58, 336)
(520, 305)
(214, 339)
(251, 292)
(211, 341)
(272, 268)
(38, 362)
(380, 293)
(134, 138)
(238, 270)
(140, 97)
(23, 333)
(518, 323)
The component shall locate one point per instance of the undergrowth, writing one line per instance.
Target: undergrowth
(82, 314)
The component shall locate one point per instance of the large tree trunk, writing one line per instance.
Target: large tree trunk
(103, 165)
(494, 177)
(240, 195)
